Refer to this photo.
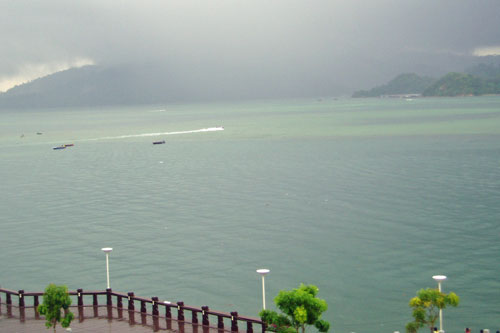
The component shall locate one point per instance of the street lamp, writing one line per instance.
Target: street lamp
(439, 279)
(263, 273)
(107, 250)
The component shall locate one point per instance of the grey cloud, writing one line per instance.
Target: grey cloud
(319, 42)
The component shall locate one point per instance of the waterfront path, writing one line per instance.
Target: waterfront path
(13, 324)
(105, 311)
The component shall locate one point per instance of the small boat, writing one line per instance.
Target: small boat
(158, 142)
(69, 145)
(59, 147)
(39, 133)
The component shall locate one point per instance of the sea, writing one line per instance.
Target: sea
(365, 198)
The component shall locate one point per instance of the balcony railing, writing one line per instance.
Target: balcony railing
(162, 314)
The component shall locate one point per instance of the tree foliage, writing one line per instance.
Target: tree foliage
(426, 306)
(56, 300)
(300, 307)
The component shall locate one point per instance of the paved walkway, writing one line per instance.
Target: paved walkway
(12, 325)
(10, 322)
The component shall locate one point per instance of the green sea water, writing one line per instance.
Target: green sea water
(366, 198)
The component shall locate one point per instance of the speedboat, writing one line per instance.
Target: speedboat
(158, 142)
(59, 147)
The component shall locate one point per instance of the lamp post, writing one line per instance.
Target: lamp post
(107, 250)
(263, 273)
(439, 279)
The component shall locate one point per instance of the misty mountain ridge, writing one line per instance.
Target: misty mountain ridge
(462, 84)
(157, 83)
(88, 86)
(407, 83)
(94, 85)
(485, 70)
(480, 79)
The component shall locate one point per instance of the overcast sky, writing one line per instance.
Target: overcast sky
(337, 41)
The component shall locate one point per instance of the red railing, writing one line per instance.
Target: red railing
(149, 307)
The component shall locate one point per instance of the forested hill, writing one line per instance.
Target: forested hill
(460, 84)
(409, 83)
(481, 79)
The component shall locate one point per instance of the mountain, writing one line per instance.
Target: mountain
(166, 81)
(156, 83)
(461, 84)
(409, 83)
(89, 86)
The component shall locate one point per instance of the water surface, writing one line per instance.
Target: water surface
(367, 199)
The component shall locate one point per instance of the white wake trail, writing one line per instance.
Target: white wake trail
(210, 129)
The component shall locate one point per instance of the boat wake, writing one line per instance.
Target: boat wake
(210, 129)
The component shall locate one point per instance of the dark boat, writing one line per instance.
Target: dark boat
(59, 147)
(158, 142)
(69, 145)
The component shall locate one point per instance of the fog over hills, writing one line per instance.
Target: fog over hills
(148, 84)
(152, 83)
(89, 85)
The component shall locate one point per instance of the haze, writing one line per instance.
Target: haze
(303, 47)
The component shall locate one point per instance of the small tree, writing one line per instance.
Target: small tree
(300, 307)
(426, 306)
(55, 300)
